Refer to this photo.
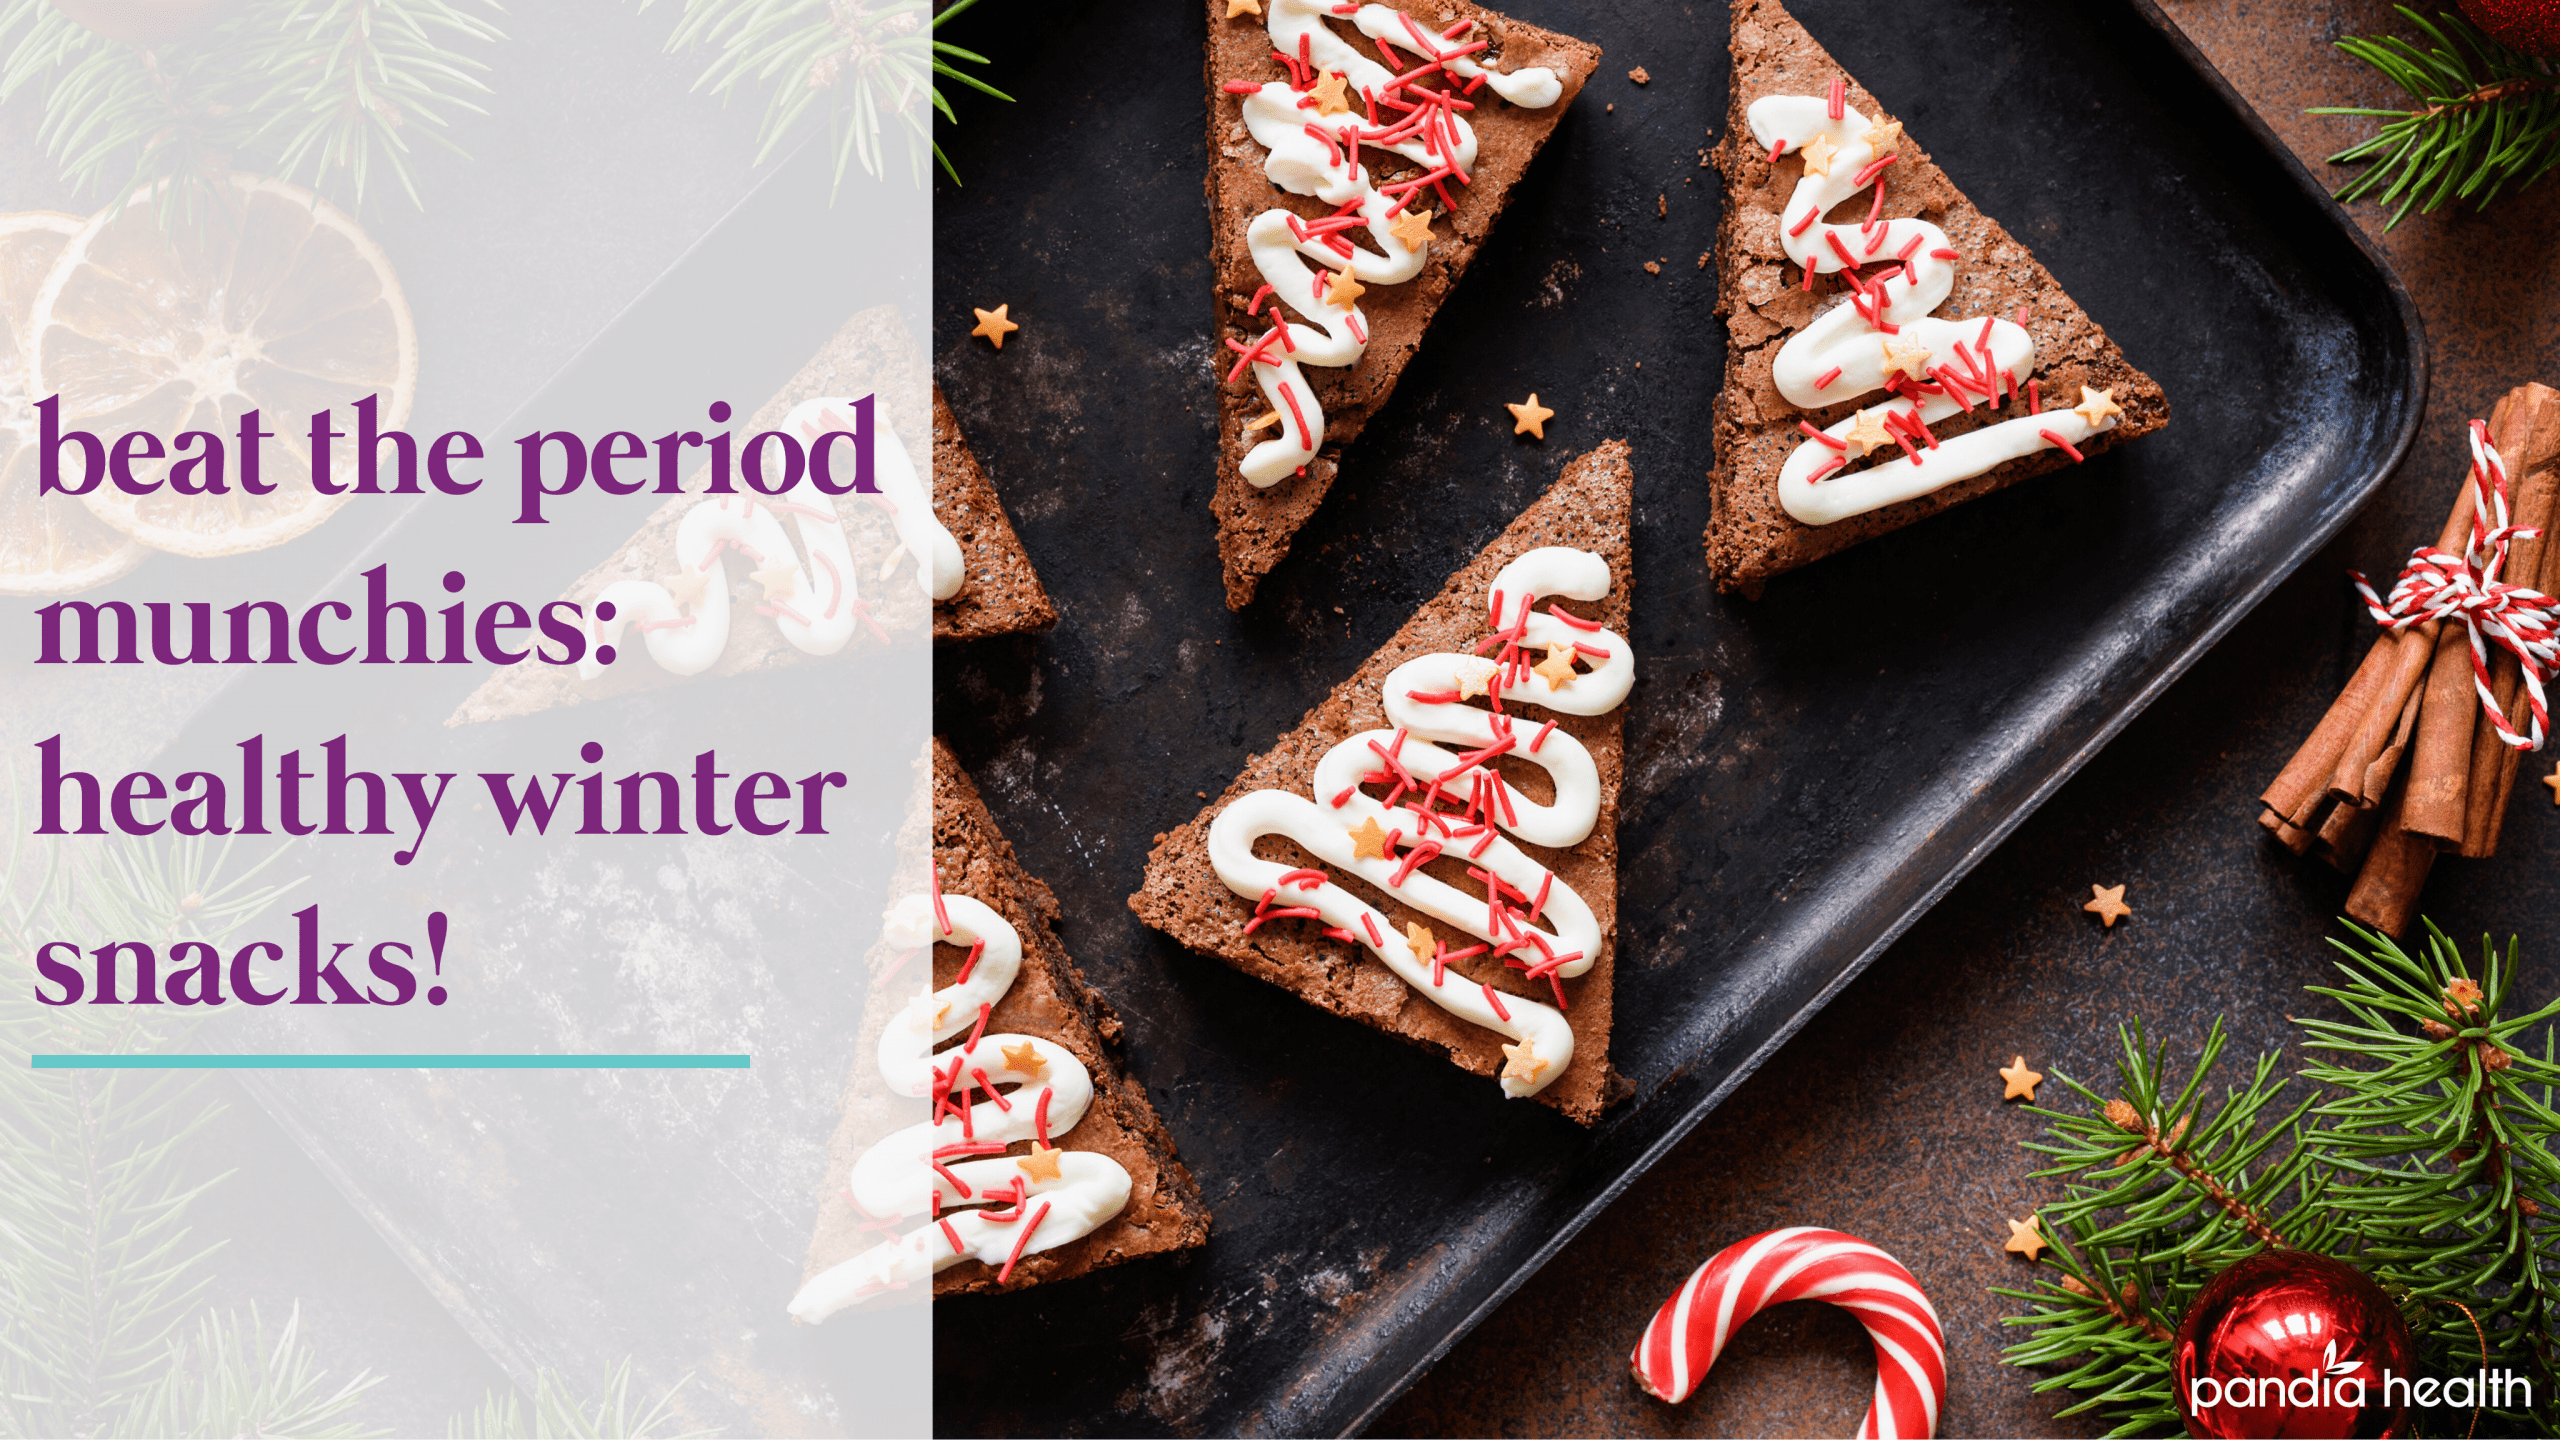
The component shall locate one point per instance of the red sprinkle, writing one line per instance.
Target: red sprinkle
(1303, 879)
(1344, 798)
(2061, 444)
(1021, 1240)
(1847, 260)
(1943, 253)
(1809, 217)
(1494, 1000)
(1543, 732)
(1836, 462)
(2035, 400)
(1040, 1115)
(1807, 427)
(1839, 97)
(1304, 440)
(974, 1036)
(969, 964)
(1431, 697)
(953, 1236)
(1240, 87)
(1827, 377)
(1904, 254)
(1873, 168)
(1808, 277)
(940, 916)
(1371, 925)
(1777, 150)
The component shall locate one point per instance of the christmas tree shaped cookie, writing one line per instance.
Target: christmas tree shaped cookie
(1434, 850)
(1358, 156)
(1040, 1160)
(1893, 351)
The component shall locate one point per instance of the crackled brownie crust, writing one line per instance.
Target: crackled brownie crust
(1587, 509)
(1760, 293)
(1002, 595)
(1255, 526)
(871, 354)
(1051, 999)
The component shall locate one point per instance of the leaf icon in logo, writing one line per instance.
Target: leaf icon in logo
(2332, 1366)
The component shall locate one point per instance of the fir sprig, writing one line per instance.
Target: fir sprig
(2423, 1155)
(867, 68)
(316, 91)
(2486, 118)
(2440, 1138)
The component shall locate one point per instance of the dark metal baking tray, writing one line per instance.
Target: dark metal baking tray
(1806, 773)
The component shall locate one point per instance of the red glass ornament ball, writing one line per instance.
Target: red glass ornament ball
(142, 22)
(2286, 1343)
(2532, 26)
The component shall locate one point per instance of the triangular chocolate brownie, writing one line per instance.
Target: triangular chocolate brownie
(999, 593)
(1472, 849)
(1918, 302)
(1069, 1171)
(1406, 128)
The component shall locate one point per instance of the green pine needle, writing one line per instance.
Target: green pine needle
(871, 71)
(2486, 118)
(332, 94)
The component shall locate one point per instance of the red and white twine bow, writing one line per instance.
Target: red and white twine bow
(2465, 588)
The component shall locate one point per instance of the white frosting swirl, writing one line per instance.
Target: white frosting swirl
(1330, 170)
(1032, 1211)
(1417, 699)
(1845, 340)
(910, 507)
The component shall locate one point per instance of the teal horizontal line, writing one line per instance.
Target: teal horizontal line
(389, 1062)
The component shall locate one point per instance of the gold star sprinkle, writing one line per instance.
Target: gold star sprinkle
(1520, 1062)
(2026, 1237)
(1243, 7)
(1817, 156)
(932, 1011)
(1419, 936)
(1557, 668)
(1530, 419)
(1884, 136)
(1024, 1059)
(2096, 405)
(993, 325)
(1327, 93)
(1269, 417)
(1344, 291)
(2109, 906)
(1476, 679)
(686, 587)
(777, 579)
(1369, 841)
(1412, 229)
(2553, 780)
(1908, 356)
(2021, 1080)
(1866, 433)
(1041, 1163)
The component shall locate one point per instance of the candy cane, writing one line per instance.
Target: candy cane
(1021, 1204)
(1318, 154)
(1527, 914)
(1805, 1264)
(1883, 339)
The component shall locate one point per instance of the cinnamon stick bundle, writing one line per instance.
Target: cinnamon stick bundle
(2402, 766)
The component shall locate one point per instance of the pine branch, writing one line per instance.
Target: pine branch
(557, 1412)
(315, 90)
(97, 1267)
(2441, 1137)
(868, 69)
(232, 1380)
(2486, 118)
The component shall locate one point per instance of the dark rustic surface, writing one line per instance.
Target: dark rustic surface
(1089, 739)
(1883, 1117)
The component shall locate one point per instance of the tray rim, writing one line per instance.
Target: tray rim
(2405, 310)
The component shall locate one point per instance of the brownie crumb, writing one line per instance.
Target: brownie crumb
(1638, 76)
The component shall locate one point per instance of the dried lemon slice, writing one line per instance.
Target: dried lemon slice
(48, 545)
(283, 306)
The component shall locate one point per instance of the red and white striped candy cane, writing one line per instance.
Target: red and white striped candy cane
(1804, 1263)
